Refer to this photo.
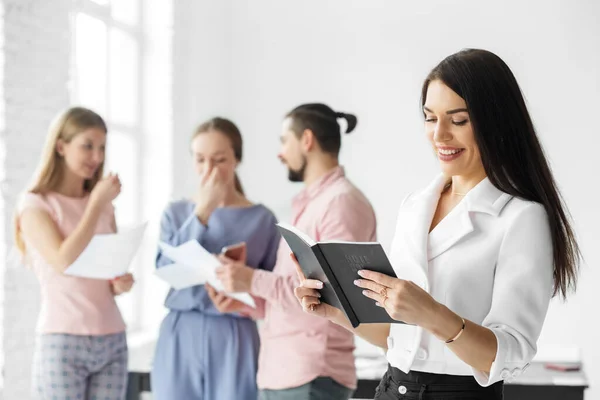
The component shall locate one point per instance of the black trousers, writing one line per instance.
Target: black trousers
(415, 385)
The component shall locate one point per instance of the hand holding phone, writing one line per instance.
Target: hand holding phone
(237, 252)
(234, 274)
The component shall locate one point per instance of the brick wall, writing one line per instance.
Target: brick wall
(36, 51)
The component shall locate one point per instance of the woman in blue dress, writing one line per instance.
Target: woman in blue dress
(202, 353)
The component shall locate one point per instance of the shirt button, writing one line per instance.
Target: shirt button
(505, 374)
(402, 390)
(422, 354)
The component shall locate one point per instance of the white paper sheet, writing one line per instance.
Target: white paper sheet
(194, 265)
(181, 276)
(108, 256)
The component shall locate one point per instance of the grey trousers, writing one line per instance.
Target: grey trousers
(72, 367)
(319, 389)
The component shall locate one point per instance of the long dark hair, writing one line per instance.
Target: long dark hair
(231, 131)
(322, 121)
(511, 153)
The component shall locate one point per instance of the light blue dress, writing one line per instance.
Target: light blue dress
(202, 354)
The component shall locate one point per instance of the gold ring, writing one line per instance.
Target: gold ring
(383, 292)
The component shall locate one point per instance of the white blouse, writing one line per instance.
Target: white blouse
(489, 260)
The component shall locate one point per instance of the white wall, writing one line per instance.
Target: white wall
(35, 87)
(370, 57)
(201, 72)
(157, 164)
(35, 56)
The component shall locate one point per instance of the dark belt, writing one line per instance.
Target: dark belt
(420, 384)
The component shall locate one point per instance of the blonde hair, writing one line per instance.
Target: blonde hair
(50, 171)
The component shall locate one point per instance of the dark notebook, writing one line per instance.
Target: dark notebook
(336, 264)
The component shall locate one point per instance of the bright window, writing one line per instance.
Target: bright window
(107, 78)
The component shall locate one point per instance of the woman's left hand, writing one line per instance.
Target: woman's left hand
(403, 300)
(122, 284)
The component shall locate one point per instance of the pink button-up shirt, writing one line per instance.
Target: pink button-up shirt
(295, 346)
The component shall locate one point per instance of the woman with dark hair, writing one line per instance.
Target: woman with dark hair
(208, 343)
(479, 253)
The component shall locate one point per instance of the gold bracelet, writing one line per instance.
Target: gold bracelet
(459, 333)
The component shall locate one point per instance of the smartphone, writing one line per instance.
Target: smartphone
(236, 251)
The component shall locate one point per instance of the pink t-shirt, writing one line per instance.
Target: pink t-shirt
(71, 305)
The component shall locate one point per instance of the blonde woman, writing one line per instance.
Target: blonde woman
(81, 351)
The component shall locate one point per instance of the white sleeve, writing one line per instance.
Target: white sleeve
(523, 286)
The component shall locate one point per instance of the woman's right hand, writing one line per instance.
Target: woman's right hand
(309, 297)
(106, 190)
(224, 303)
(211, 193)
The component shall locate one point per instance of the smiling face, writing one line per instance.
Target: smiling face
(84, 153)
(450, 132)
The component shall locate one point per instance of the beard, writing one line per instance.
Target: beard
(297, 175)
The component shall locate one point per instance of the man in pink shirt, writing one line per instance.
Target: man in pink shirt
(292, 364)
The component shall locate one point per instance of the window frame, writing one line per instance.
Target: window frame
(103, 13)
